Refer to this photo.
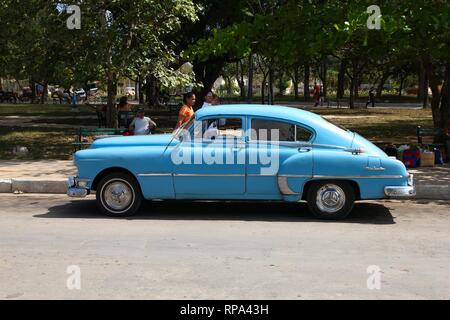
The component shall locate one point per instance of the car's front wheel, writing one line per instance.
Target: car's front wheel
(331, 200)
(119, 195)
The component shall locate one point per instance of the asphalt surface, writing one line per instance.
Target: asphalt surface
(204, 250)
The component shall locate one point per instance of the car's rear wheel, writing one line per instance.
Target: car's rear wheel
(119, 195)
(331, 200)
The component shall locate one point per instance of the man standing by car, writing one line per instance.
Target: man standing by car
(142, 125)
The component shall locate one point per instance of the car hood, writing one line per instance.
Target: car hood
(133, 141)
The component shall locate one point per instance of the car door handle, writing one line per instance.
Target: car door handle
(304, 149)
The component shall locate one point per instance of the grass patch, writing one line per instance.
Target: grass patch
(49, 110)
(381, 125)
(42, 143)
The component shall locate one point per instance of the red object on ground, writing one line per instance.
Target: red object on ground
(411, 158)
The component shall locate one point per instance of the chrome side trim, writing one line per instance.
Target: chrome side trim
(268, 175)
(283, 185)
(260, 175)
(296, 176)
(206, 175)
(358, 177)
(154, 174)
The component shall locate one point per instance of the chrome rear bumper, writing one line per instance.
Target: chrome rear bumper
(408, 191)
(75, 188)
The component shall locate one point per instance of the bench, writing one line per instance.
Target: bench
(436, 133)
(440, 140)
(94, 133)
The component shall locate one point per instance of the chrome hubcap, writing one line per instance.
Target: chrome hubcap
(330, 198)
(118, 195)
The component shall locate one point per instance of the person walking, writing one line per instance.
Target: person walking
(187, 110)
(316, 94)
(321, 96)
(371, 98)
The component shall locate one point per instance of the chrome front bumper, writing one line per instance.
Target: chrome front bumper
(77, 188)
(408, 191)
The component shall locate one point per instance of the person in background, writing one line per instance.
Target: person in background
(142, 125)
(322, 96)
(371, 98)
(316, 94)
(187, 110)
(209, 100)
(123, 104)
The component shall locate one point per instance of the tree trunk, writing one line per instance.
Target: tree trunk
(402, 82)
(426, 81)
(141, 91)
(240, 79)
(111, 111)
(33, 91)
(421, 83)
(136, 90)
(356, 89)
(250, 79)
(341, 80)
(271, 98)
(206, 73)
(228, 86)
(263, 89)
(295, 81)
(445, 100)
(382, 83)
(153, 91)
(352, 93)
(306, 93)
(44, 93)
(325, 79)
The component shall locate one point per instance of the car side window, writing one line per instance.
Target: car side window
(302, 134)
(222, 128)
(266, 130)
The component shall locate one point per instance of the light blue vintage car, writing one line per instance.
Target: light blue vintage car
(242, 152)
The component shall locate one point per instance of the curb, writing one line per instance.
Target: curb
(5, 185)
(33, 186)
(432, 192)
(428, 192)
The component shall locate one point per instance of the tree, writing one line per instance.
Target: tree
(129, 39)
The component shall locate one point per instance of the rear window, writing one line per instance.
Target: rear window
(266, 130)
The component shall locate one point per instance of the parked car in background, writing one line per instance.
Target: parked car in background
(312, 160)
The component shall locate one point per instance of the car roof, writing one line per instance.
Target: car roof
(326, 132)
(259, 110)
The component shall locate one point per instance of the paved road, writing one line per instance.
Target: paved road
(222, 251)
